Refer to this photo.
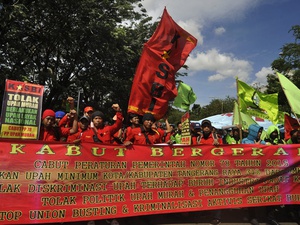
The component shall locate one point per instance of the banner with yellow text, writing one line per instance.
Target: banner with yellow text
(21, 110)
(44, 182)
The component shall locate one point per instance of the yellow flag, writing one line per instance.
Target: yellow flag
(291, 92)
(255, 103)
(185, 97)
(244, 119)
(241, 118)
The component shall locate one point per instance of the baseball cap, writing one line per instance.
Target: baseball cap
(59, 114)
(88, 109)
(84, 118)
(205, 122)
(196, 125)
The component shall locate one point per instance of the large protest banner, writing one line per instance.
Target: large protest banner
(21, 110)
(56, 182)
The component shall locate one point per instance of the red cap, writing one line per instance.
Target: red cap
(88, 109)
(48, 112)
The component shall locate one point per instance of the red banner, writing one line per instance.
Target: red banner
(21, 110)
(163, 55)
(289, 125)
(53, 182)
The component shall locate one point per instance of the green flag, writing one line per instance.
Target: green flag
(185, 97)
(241, 118)
(255, 103)
(244, 119)
(291, 92)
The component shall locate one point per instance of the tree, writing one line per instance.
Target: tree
(289, 59)
(195, 112)
(217, 106)
(93, 45)
(287, 63)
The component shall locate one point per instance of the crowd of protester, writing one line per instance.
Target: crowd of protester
(93, 127)
(143, 129)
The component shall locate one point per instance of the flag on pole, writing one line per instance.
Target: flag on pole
(185, 97)
(162, 56)
(241, 118)
(291, 92)
(244, 119)
(257, 104)
(290, 124)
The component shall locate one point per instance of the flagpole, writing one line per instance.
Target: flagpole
(239, 113)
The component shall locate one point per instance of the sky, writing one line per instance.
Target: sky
(236, 38)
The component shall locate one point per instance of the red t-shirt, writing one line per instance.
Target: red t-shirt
(105, 134)
(210, 140)
(77, 135)
(50, 134)
(137, 136)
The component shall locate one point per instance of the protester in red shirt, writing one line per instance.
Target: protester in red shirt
(134, 121)
(88, 111)
(58, 116)
(49, 132)
(170, 134)
(143, 135)
(208, 136)
(163, 132)
(101, 133)
(196, 133)
(83, 126)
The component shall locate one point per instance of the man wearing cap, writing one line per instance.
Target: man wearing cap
(208, 136)
(195, 133)
(101, 133)
(49, 132)
(83, 126)
(143, 135)
(58, 116)
(232, 136)
(88, 111)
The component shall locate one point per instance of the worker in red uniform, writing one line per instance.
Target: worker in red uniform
(143, 134)
(50, 132)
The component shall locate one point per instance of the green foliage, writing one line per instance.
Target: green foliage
(289, 58)
(195, 112)
(287, 63)
(174, 115)
(93, 45)
(217, 106)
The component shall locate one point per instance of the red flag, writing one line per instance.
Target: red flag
(289, 125)
(163, 55)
